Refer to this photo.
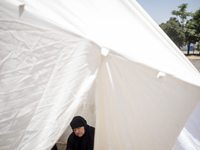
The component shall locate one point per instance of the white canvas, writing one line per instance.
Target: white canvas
(105, 60)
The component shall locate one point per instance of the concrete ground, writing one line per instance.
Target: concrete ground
(61, 146)
(196, 63)
(194, 59)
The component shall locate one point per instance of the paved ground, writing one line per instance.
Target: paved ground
(196, 63)
(61, 146)
(194, 59)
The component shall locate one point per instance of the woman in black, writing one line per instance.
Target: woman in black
(82, 137)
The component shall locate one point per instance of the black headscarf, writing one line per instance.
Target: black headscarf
(78, 121)
(86, 142)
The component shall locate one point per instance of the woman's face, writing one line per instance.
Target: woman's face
(80, 131)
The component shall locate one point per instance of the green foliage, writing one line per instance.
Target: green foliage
(181, 13)
(174, 30)
(192, 29)
(191, 34)
(198, 46)
(181, 30)
(196, 19)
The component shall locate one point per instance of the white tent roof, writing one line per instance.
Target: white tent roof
(106, 60)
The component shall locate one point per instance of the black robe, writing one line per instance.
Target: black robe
(54, 147)
(86, 142)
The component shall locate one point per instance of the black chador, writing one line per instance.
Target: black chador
(85, 142)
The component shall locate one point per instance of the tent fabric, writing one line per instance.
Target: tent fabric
(53, 67)
(127, 19)
(139, 102)
(190, 135)
(42, 84)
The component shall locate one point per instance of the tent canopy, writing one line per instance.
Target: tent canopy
(105, 60)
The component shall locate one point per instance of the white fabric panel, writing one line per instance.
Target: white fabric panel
(120, 25)
(45, 77)
(87, 109)
(189, 139)
(138, 111)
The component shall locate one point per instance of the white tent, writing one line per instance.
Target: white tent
(106, 60)
(190, 135)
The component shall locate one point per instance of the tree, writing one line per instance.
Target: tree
(196, 18)
(174, 30)
(181, 30)
(190, 33)
(192, 29)
(181, 13)
(198, 47)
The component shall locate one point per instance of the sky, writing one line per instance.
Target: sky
(160, 10)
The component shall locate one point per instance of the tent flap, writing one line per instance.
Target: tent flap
(105, 60)
(139, 107)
